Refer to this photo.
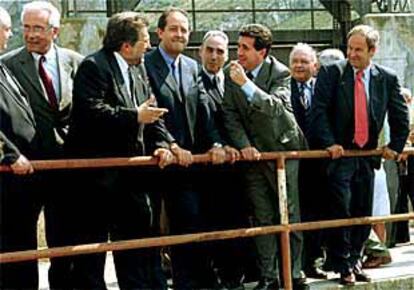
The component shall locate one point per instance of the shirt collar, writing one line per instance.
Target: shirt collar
(366, 74)
(256, 70)
(123, 65)
(50, 55)
(220, 74)
(168, 59)
(308, 83)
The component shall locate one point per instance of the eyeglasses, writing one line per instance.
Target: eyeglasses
(36, 29)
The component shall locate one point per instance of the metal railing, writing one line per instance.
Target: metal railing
(284, 228)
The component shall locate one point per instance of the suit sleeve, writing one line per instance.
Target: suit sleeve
(232, 116)
(398, 117)
(9, 153)
(156, 134)
(321, 134)
(276, 99)
(90, 92)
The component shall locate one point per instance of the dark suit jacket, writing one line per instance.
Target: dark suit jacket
(332, 116)
(17, 123)
(302, 117)
(215, 104)
(52, 125)
(192, 95)
(104, 119)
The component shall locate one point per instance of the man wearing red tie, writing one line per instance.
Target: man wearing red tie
(352, 98)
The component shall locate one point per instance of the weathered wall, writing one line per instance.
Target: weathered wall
(396, 44)
(83, 34)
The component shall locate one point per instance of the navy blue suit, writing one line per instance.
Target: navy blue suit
(188, 112)
(350, 180)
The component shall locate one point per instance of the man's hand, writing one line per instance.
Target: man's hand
(165, 157)
(22, 166)
(335, 151)
(237, 73)
(250, 153)
(232, 153)
(148, 113)
(390, 154)
(184, 157)
(217, 155)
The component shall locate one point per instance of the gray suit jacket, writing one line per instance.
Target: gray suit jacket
(267, 123)
(51, 125)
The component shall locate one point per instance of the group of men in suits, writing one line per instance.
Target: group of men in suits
(168, 107)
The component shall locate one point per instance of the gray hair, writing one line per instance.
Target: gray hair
(54, 14)
(214, 33)
(330, 55)
(305, 48)
(3, 15)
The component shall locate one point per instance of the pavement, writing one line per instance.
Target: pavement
(398, 275)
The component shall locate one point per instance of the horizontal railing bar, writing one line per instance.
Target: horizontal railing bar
(198, 158)
(197, 237)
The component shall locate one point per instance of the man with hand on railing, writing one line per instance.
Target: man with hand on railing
(303, 65)
(351, 100)
(258, 117)
(174, 79)
(229, 258)
(115, 114)
(18, 142)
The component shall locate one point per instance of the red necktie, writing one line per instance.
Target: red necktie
(360, 110)
(48, 84)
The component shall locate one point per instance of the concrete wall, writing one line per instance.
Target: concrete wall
(396, 48)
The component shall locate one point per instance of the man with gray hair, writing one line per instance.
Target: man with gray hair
(351, 100)
(46, 72)
(225, 256)
(303, 63)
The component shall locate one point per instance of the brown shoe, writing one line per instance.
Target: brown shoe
(375, 262)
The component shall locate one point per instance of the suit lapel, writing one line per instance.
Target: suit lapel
(375, 92)
(29, 71)
(165, 74)
(119, 80)
(211, 90)
(347, 86)
(64, 72)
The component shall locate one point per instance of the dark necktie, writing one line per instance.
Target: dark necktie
(132, 86)
(302, 95)
(360, 111)
(174, 72)
(216, 85)
(250, 75)
(47, 83)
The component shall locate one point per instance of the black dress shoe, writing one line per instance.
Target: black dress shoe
(316, 273)
(267, 284)
(361, 276)
(347, 279)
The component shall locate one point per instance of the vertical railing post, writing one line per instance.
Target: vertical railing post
(284, 220)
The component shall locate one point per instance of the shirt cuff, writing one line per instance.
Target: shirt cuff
(249, 88)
